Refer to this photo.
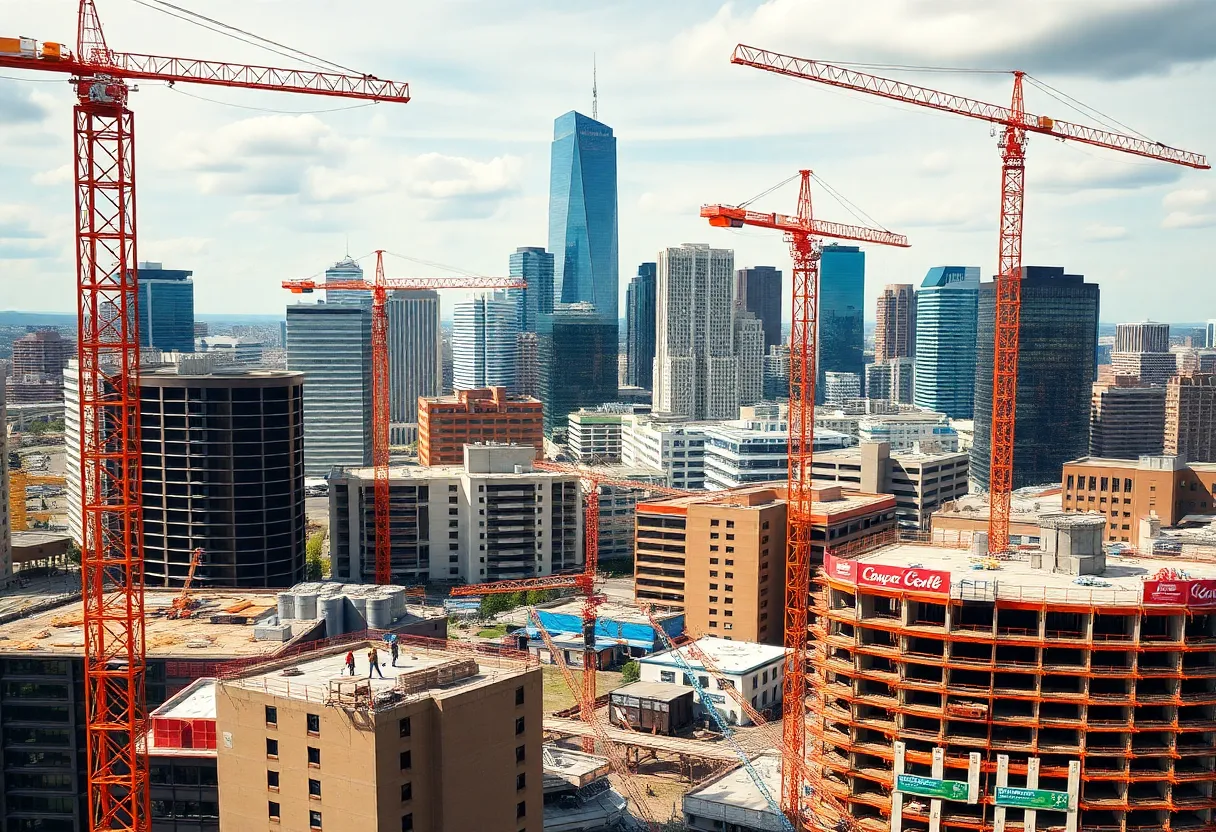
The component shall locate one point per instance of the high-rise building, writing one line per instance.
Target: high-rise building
(1210, 330)
(535, 266)
(640, 326)
(758, 290)
(1190, 417)
(332, 345)
(1142, 350)
(447, 423)
(749, 347)
(492, 518)
(947, 308)
(842, 284)
(37, 372)
(777, 372)
(670, 445)
(346, 269)
(1057, 341)
(414, 351)
(695, 365)
(398, 751)
(839, 388)
(583, 214)
(893, 379)
(895, 335)
(6, 528)
(578, 362)
(483, 342)
(166, 308)
(594, 436)
(1128, 491)
(527, 364)
(1126, 419)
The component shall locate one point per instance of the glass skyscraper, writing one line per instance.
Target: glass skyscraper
(1057, 340)
(483, 342)
(946, 315)
(535, 265)
(758, 289)
(166, 308)
(639, 326)
(579, 340)
(842, 289)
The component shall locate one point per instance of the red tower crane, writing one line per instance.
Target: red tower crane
(111, 564)
(804, 234)
(583, 581)
(1016, 124)
(379, 288)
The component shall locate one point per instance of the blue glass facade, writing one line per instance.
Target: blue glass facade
(946, 315)
(166, 308)
(535, 265)
(842, 289)
(583, 214)
(639, 326)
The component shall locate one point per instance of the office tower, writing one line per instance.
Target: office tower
(1142, 350)
(1190, 417)
(682, 529)
(346, 269)
(37, 372)
(414, 351)
(223, 470)
(1056, 345)
(670, 445)
(166, 308)
(695, 366)
(527, 364)
(749, 347)
(777, 372)
(842, 284)
(758, 290)
(6, 539)
(839, 388)
(639, 326)
(490, 518)
(895, 335)
(594, 436)
(748, 451)
(893, 380)
(447, 423)
(1210, 330)
(535, 266)
(380, 754)
(332, 346)
(483, 342)
(946, 317)
(201, 330)
(578, 366)
(1126, 419)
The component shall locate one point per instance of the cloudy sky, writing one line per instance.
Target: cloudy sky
(250, 188)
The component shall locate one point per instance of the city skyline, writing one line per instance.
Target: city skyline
(274, 195)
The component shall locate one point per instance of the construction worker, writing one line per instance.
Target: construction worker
(373, 659)
(350, 663)
(394, 649)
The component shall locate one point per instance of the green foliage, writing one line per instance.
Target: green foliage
(74, 552)
(492, 605)
(315, 565)
(39, 428)
(538, 596)
(631, 672)
(497, 631)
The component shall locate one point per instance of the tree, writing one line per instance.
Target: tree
(314, 562)
(73, 553)
(538, 596)
(492, 605)
(631, 672)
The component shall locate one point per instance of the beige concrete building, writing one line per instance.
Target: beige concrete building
(1126, 419)
(447, 741)
(721, 557)
(1190, 417)
(957, 520)
(1126, 491)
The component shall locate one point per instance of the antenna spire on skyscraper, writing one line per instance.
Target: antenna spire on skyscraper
(595, 94)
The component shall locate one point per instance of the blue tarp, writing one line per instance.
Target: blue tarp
(575, 640)
(637, 635)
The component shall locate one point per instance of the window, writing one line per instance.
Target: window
(521, 782)
(730, 536)
(730, 548)
(704, 680)
(272, 748)
(520, 753)
(668, 676)
(521, 809)
(519, 696)
(314, 757)
(713, 625)
(519, 726)
(730, 562)
(713, 561)
(713, 586)
(407, 761)
(713, 573)
(729, 613)
(314, 788)
(272, 715)
(730, 575)
(314, 723)
(272, 780)
(407, 821)
(407, 792)
(728, 626)
(273, 810)
(713, 522)
(314, 820)
(403, 726)
(713, 599)
(713, 535)
(730, 524)
(730, 588)
(714, 548)
(713, 611)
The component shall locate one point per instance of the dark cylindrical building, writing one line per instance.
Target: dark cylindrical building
(223, 470)
(1057, 346)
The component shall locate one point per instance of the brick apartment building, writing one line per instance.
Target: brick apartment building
(447, 423)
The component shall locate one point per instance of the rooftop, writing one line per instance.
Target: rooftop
(854, 453)
(58, 627)
(1163, 462)
(658, 691)
(196, 701)
(734, 797)
(828, 501)
(731, 657)
(424, 667)
(609, 610)
(422, 473)
(1027, 505)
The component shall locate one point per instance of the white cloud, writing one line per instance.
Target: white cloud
(437, 176)
(937, 162)
(1099, 233)
(1070, 174)
(1189, 208)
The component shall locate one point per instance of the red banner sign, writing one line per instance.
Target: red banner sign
(881, 576)
(1180, 593)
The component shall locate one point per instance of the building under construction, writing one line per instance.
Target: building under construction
(1061, 653)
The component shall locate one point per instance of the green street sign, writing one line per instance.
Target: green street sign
(1032, 799)
(931, 787)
